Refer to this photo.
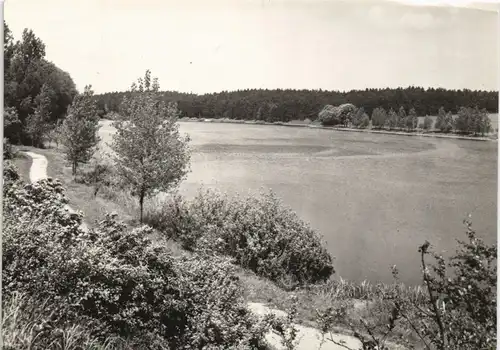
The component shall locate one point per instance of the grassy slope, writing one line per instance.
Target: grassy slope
(256, 289)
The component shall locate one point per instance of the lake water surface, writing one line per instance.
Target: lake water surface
(374, 198)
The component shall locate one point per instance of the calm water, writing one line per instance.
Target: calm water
(374, 198)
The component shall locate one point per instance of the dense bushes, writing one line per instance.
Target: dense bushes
(116, 281)
(258, 233)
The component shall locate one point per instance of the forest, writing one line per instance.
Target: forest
(287, 105)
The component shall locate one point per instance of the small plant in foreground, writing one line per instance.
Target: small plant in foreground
(459, 311)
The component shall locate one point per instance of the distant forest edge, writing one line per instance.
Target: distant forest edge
(284, 105)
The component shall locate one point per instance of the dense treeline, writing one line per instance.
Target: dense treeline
(286, 105)
(37, 93)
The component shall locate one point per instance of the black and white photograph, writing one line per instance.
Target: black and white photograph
(250, 174)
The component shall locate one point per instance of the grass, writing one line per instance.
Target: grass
(25, 326)
(23, 163)
(81, 196)
(361, 297)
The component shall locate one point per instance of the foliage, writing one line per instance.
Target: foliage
(459, 306)
(360, 119)
(473, 121)
(116, 281)
(10, 175)
(379, 117)
(427, 123)
(100, 173)
(335, 115)
(12, 126)
(25, 73)
(8, 152)
(412, 120)
(38, 123)
(149, 152)
(79, 130)
(258, 233)
(26, 324)
(287, 104)
(402, 118)
(444, 121)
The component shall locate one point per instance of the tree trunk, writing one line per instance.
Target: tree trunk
(141, 205)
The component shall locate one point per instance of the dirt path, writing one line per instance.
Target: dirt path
(38, 171)
(308, 338)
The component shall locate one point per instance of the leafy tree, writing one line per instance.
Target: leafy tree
(8, 46)
(150, 154)
(38, 123)
(427, 123)
(379, 117)
(463, 120)
(441, 120)
(483, 123)
(25, 73)
(412, 120)
(79, 130)
(402, 118)
(306, 104)
(329, 115)
(12, 124)
(448, 123)
(392, 119)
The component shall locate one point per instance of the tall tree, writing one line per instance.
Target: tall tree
(38, 123)
(412, 119)
(448, 123)
(25, 73)
(149, 153)
(379, 117)
(79, 130)
(392, 119)
(440, 121)
(402, 122)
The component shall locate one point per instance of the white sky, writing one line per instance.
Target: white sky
(214, 45)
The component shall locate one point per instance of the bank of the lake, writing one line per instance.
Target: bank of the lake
(374, 197)
(309, 124)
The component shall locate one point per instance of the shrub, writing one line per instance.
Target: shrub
(10, 175)
(457, 311)
(116, 281)
(8, 152)
(259, 233)
(427, 123)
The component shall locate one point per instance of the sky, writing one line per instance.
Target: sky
(203, 46)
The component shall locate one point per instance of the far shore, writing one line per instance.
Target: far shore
(305, 124)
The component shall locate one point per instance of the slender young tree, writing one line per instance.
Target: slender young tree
(38, 123)
(79, 130)
(379, 117)
(412, 120)
(402, 118)
(149, 153)
(440, 121)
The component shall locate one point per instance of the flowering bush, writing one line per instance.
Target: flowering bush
(116, 281)
(260, 234)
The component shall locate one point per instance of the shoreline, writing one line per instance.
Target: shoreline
(316, 126)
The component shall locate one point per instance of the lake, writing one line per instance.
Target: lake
(374, 198)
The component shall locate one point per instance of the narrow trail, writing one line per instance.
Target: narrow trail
(38, 171)
(307, 338)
